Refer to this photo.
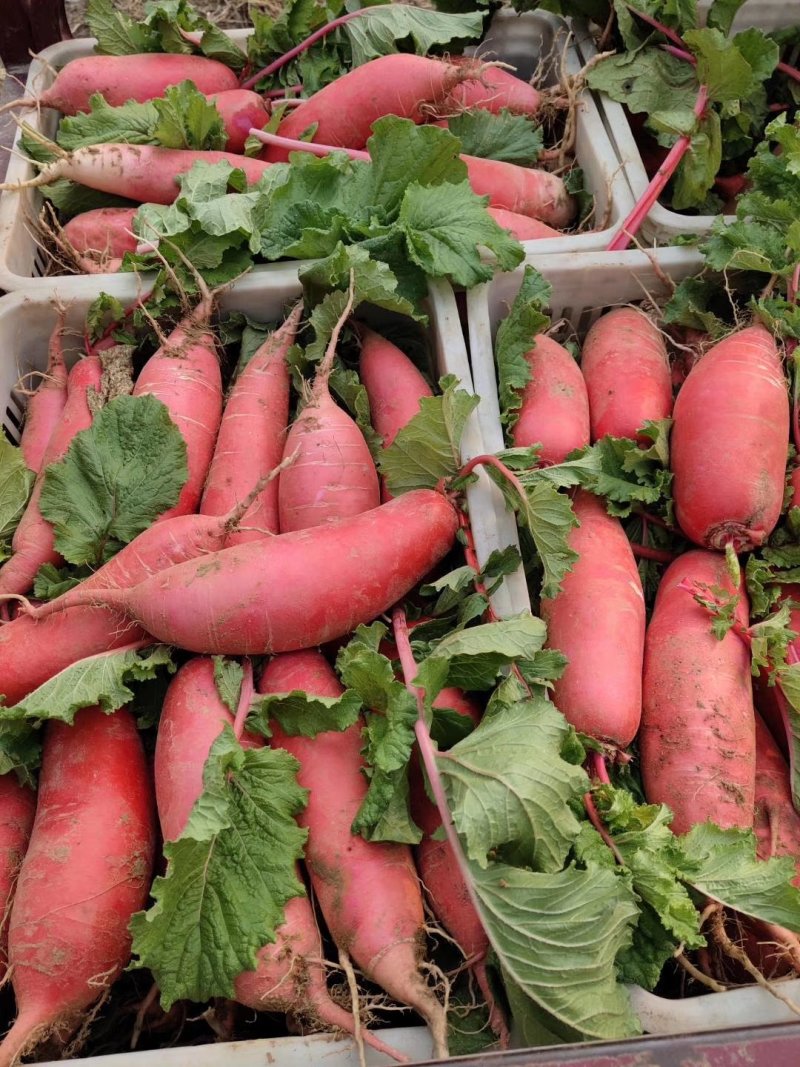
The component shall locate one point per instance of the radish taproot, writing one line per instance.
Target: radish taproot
(46, 406)
(554, 405)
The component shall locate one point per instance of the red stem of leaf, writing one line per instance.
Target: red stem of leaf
(597, 823)
(671, 35)
(298, 49)
(632, 224)
(597, 762)
(694, 588)
(306, 146)
(277, 94)
(680, 53)
(427, 750)
(790, 72)
(245, 698)
(658, 555)
(487, 460)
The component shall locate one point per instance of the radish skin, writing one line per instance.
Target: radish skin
(251, 437)
(368, 892)
(728, 443)
(281, 604)
(46, 406)
(523, 227)
(100, 238)
(86, 871)
(554, 406)
(33, 543)
(240, 109)
(17, 807)
(598, 622)
(626, 368)
(697, 739)
(495, 90)
(138, 172)
(522, 190)
(776, 823)
(134, 77)
(184, 375)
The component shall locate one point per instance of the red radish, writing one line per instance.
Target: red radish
(33, 541)
(268, 596)
(100, 238)
(184, 375)
(139, 172)
(598, 622)
(46, 406)
(394, 385)
(368, 892)
(251, 436)
(522, 190)
(495, 90)
(332, 476)
(777, 824)
(32, 650)
(554, 406)
(697, 739)
(290, 976)
(122, 78)
(345, 110)
(17, 807)
(729, 441)
(86, 871)
(240, 109)
(625, 364)
(523, 227)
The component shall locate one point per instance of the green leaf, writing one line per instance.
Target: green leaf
(427, 448)
(229, 875)
(722, 13)
(504, 136)
(742, 245)
(476, 656)
(115, 479)
(187, 119)
(445, 227)
(132, 123)
(509, 789)
(116, 33)
(20, 751)
(300, 714)
(645, 79)
(52, 581)
(228, 675)
(379, 30)
(557, 936)
(98, 680)
(16, 483)
(403, 155)
(516, 335)
(690, 305)
(721, 67)
(722, 864)
(652, 946)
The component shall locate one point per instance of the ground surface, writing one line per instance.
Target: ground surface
(223, 12)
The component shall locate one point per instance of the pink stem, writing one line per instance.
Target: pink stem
(597, 823)
(306, 146)
(630, 227)
(671, 35)
(598, 764)
(298, 49)
(792, 287)
(427, 751)
(698, 588)
(790, 72)
(488, 460)
(245, 698)
(680, 53)
(276, 94)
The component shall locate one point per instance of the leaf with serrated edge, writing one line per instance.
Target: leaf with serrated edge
(98, 680)
(508, 786)
(16, 482)
(302, 715)
(228, 675)
(229, 875)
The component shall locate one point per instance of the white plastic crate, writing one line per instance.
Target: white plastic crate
(662, 224)
(519, 40)
(584, 286)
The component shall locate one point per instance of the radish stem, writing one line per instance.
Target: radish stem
(658, 555)
(298, 49)
(630, 227)
(306, 146)
(245, 698)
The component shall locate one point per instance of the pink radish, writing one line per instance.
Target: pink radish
(86, 871)
(33, 542)
(46, 406)
(240, 109)
(100, 238)
(184, 375)
(267, 596)
(122, 78)
(332, 475)
(138, 172)
(494, 90)
(251, 436)
(523, 227)
(368, 892)
(554, 406)
(290, 976)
